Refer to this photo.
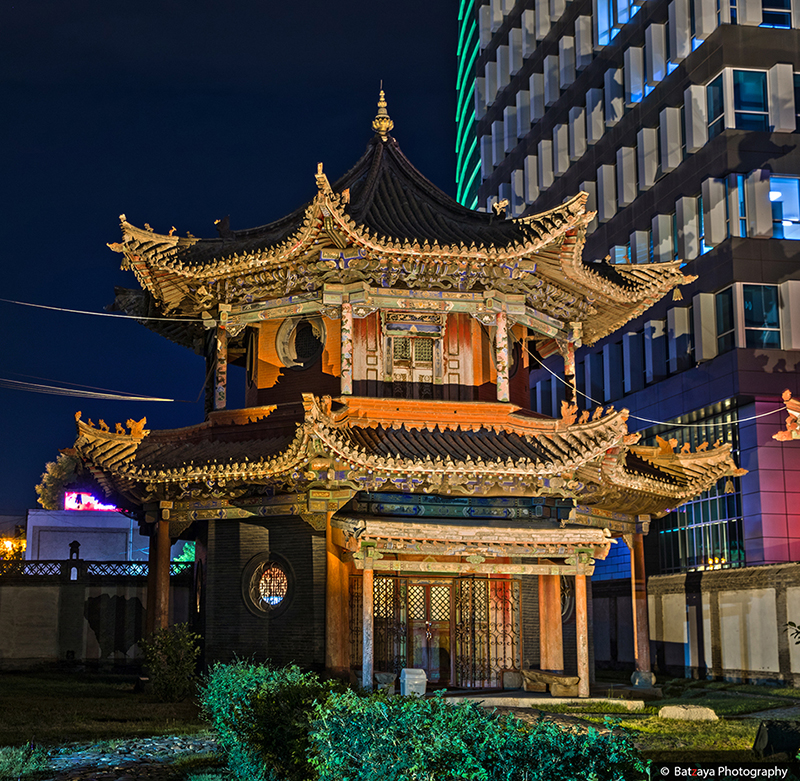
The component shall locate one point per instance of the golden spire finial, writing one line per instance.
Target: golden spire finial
(382, 123)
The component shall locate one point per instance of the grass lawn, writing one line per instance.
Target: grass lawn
(60, 707)
(731, 738)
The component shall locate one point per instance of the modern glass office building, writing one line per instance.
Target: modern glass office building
(680, 120)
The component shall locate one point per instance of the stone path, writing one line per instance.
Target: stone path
(139, 759)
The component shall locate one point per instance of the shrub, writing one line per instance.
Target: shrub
(170, 656)
(262, 717)
(22, 762)
(356, 738)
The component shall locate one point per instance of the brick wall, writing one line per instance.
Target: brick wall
(297, 634)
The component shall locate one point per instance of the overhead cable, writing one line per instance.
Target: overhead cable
(55, 390)
(639, 417)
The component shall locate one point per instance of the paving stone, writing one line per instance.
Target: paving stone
(138, 759)
(688, 713)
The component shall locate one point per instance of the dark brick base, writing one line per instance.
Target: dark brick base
(297, 634)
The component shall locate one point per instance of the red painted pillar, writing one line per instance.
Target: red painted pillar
(641, 630)
(551, 646)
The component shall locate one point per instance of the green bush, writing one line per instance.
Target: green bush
(262, 717)
(170, 656)
(21, 762)
(355, 738)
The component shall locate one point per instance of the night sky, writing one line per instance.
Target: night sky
(176, 113)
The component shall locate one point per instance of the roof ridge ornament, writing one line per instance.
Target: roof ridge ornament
(382, 123)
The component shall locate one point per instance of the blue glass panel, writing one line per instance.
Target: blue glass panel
(724, 311)
(750, 91)
(760, 306)
(760, 339)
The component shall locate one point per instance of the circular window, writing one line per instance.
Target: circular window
(300, 342)
(266, 585)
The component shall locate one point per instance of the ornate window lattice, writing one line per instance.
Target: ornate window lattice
(423, 350)
(402, 349)
(270, 585)
(266, 585)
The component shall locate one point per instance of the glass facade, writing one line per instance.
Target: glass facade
(468, 158)
(716, 107)
(761, 318)
(705, 533)
(784, 195)
(776, 13)
(750, 100)
(725, 321)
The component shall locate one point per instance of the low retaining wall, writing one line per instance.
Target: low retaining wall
(722, 624)
(79, 612)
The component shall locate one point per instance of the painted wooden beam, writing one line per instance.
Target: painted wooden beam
(488, 549)
(478, 534)
(465, 567)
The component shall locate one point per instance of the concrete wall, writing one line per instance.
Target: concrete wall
(104, 536)
(724, 624)
(49, 619)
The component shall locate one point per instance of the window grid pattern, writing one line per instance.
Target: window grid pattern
(761, 317)
(707, 532)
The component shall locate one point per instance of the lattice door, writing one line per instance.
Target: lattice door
(487, 630)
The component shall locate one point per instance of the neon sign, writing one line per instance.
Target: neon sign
(78, 500)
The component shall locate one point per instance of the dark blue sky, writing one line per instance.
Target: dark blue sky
(176, 113)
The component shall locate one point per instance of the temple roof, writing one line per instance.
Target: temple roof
(459, 448)
(384, 224)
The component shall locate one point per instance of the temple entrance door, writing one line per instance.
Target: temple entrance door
(430, 627)
(412, 364)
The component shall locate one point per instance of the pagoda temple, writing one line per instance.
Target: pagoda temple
(387, 499)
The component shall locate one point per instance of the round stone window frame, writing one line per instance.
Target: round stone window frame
(254, 569)
(284, 342)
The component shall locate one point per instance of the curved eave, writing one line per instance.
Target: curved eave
(683, 476)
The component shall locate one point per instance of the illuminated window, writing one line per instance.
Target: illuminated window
(707, 532)
(612, 16)
(266, 585)
(784, 194)
(272, 585)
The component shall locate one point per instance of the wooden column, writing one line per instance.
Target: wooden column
(501, 355)
(582, 635)
(337, 592)
(641, 631)
(367, 649)
(221, 368)
(551, 645)
(347, 348)
(161, 601)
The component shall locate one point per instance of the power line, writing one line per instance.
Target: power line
(55, 390)
(111, 314)
(639, 417)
